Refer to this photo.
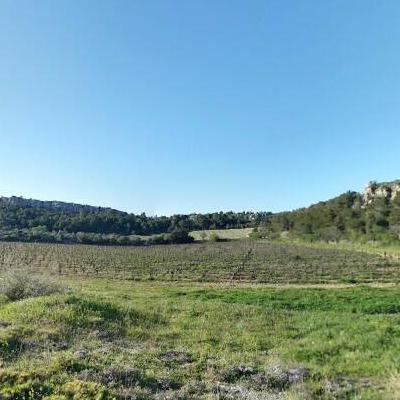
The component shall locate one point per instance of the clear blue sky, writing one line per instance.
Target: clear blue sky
(180, 106)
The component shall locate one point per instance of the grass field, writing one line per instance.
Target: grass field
(223, 234)
(236, 320)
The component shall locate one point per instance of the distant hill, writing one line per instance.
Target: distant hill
(56, 221)
(59, 206)
(373, 215)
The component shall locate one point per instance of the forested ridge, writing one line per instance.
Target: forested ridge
(352, 216)
(372, 215)
(52, 221)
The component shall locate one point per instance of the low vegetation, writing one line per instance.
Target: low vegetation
(236, 261)
(218, 319)
(132, 340)
(18, 284)
(58, 222)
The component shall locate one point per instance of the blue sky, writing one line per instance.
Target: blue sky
(181, 106)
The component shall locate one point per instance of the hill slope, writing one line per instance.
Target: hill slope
(54, 221)
(371, 215)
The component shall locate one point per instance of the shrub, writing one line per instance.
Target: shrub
(20, 284)
(214, 237)
(233, 374)
(264, 232)
(80, 390)
(180, 236)
(255, 234)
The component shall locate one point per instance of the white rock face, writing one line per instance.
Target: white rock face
(387, 190)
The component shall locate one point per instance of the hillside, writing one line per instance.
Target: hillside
(54, 221)
(57, 206)
(373, 215)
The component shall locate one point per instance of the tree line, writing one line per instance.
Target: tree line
(32, 220)
(344, 217)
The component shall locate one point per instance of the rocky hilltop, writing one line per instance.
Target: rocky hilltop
(386, 190)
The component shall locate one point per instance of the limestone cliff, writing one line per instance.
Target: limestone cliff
(387, 190)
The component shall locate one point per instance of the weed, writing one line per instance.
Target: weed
(20, 284)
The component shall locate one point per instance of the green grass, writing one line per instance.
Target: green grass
(360, 300)
(176, 322)
(68, 346)
(385, 250)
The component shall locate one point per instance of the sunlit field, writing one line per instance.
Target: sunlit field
(236, 261)
(234, 320)
(222, 234)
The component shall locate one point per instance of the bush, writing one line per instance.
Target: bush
(255, 234)
(80, 390)
(180, 236)
(20, 284)
(214, 237)
(264, 232)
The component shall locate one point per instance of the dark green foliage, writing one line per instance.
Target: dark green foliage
(180, 236)
(57, 222)
(347, 216)
(344, 217)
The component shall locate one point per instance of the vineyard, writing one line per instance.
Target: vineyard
(150, 322)
(236, 261)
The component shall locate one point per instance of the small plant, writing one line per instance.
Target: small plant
(233, 374)
(20, 284)
(255, 234)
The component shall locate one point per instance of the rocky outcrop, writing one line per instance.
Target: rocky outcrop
(386, 190)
